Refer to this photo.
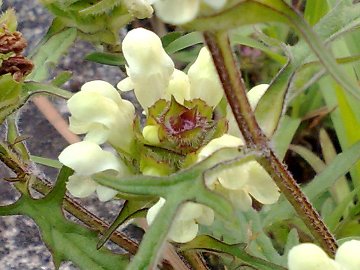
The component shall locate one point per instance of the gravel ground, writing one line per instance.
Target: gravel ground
(20, 243)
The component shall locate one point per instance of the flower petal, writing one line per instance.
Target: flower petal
(81, 186)
(310, 256)
(149, 66)
(255, 94)
(216, 4)
(225, 140)
(234, 178)
(183, 231)
(91, 107)
(105, 193)
(103, 88)
(179, 87)
(204, 80)
(87, 158)
(348, 255)
(154, 210)
(260, 185)
(240, 198)
(177, 11)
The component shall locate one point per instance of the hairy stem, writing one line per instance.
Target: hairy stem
(219, 46)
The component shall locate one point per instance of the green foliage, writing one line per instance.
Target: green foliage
(65, 240)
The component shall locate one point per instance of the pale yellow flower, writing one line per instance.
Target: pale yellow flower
(311, 257)
(99, 112)
(185, 225)
(87, 158)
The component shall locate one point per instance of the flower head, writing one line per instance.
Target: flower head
(152, 75)
(311, 257)
(100, 112)
(185, 225)
(87, 158)
(241, 181)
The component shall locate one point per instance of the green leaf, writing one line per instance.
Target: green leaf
(50, 52)
(9, 95)
(284, 135)
(180, 187)
(184, 42)
(314, 161)
(321, 183)
(131, 209)
(110, 59)
(207, 243)
(46, 161)
(65, 240)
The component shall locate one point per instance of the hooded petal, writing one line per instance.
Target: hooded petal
(87, 158)
(177, 11)
(348, 255)
(310, 256)
(149, 66)
(81, 186)
(260, 185)
(204, 80)
(90, 107)
(104, 89)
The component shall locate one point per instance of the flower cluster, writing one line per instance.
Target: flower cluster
(179, 109)
(311, 257)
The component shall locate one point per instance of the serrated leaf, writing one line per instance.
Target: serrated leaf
(208, 243)
(185, 185)
(50, 52)
(65, 240)
(131, 209)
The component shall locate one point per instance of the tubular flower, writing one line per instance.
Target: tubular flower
(87, 158)
(185, 225)
(152, 75)
(241, 181)
(311, 257)
(100, 112)
(182, 11)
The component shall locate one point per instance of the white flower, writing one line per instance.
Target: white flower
(152, 74)
(87, 158)
(311, 257)
(241, 181)
(140, 9)
(185, 225)
(182, 11)
(148, 66)
(254, 95)
(100, 112)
